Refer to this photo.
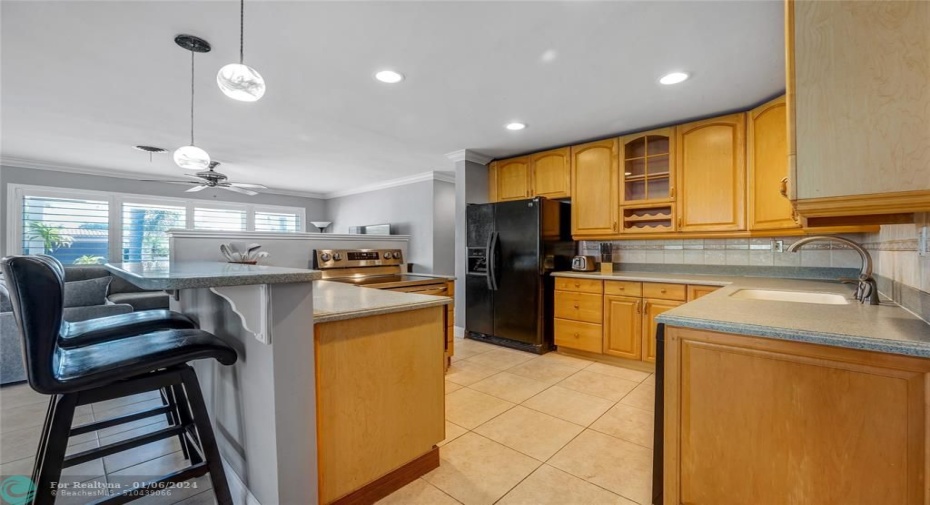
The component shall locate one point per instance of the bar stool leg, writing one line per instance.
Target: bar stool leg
(43, 438)
(205, 435)
(49, 461)
(185, 418)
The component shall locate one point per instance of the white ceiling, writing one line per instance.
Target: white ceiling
(82, 81)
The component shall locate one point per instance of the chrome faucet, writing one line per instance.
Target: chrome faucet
(867, 291)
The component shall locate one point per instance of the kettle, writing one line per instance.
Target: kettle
(583, 263)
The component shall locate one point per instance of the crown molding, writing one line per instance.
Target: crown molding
(103, 172)
(469, 155)
(402, 181)
(255, 235)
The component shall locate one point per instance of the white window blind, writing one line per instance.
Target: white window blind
(144, 227)
(277, 222)
(214, 218)
(73, 230)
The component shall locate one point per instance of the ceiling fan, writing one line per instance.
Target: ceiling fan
(212, 179)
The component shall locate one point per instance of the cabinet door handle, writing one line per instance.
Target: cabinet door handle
(671, 192)
(783, 188)
(679, 222)
(639, 309)
(615, 226)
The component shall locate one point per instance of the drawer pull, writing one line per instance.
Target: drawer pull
(621, 288)
(577, 284)
(576, 306)
(577, 335)
(662, 291)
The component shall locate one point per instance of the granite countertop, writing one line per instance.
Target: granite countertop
(337, 301)
(206, 274)
(883, 328)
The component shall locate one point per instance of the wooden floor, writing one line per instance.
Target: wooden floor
(520, 429)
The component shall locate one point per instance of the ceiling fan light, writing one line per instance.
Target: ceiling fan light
(240, 82)
(192, 158)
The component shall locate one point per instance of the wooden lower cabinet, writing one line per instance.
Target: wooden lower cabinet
(695, 291)
(771, 422)
(651, 309)
(623, 326)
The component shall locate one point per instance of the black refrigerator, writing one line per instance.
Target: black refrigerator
(512, 249)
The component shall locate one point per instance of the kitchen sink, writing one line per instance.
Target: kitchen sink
(791, 296)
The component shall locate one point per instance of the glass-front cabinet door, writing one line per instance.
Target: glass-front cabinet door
(647, 175)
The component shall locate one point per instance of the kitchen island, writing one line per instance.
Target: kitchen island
(375, 389)
(782, 400)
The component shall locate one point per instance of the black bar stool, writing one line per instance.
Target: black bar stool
(106, 370)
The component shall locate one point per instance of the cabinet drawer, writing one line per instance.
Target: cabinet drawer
(623, 288)
(576, 335)
(580, 285)
(695, 291)
(576, 306)
(665, 291)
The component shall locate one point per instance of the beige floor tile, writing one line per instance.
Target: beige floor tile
(140, 454)
(19, 395)
(22, 443)
(452, 387)
(453, 431)
(501, 359)
(617, 465)
(155, 468)
(465, 373)
(563, 359)
(511, 387)
(643, 397)
(91, 490)
(418, 492)
(469, 409)
(202, 498)
(85, 471)
(551, 486)
(619, 372)
(650, 380)
(543, 370)
(32, 414)
(474, 346)
(124, 401)
(478, 471)
(572, 406)
(461, 354)
(533, 433)
(604, 386)
(627, 423)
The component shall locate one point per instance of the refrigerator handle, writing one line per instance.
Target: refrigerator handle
(492, 261)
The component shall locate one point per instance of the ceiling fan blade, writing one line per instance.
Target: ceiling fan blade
(168, 182)
(247, 185)
(196, 189)
(237, 190)
(192, 176)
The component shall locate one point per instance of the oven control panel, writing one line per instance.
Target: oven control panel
(352, 258)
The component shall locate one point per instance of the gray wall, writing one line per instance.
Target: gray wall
(471, 186)
(421, 210)
(316, 208)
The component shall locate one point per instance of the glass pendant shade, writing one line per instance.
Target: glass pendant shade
(240, 82)
(192, 158)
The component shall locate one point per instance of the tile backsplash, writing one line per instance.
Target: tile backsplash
(731, 252)
(894, 252)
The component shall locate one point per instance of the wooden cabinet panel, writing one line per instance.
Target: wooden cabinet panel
(651, 309)
(513, 179)
(695, 291)
(492, 183)
(858, 74)
(623, 327)
(711, 174)
(551, 173)
(581, 285)
(623, 288)
(665, 291)
(579, 306)
(578, 335)
(814, 425)
(767, 155)
(595, 188)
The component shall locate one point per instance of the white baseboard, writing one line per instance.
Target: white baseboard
(240, 494)
(458, 331)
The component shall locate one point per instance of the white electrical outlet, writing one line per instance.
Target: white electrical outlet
(778, 245)
(923, 242)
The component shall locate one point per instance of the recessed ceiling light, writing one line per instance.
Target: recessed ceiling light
(515, 126)
(389, 76)
(674, 78)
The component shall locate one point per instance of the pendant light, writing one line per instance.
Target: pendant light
(192, 157)
(237, 80)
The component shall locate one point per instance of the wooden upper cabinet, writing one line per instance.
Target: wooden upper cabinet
(595, 188)
(513, 179)
(623, 326)
(711, 190)
(767, 156)
(859, 106)
(647, 166)
(492, 182)
(551, 173)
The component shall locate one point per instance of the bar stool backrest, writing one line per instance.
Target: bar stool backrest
(37, 287)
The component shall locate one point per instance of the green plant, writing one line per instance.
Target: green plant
(51, 236)
(88, 259)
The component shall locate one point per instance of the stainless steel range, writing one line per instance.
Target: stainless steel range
(375, 268)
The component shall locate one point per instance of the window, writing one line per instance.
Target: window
(73, 230)
(210, 218)
(277, 221)
(144, 226)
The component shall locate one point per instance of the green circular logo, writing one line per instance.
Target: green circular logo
(17, 490)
